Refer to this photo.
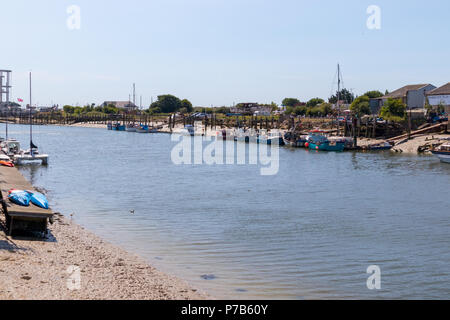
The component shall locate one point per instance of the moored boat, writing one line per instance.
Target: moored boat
(142, 129)
(318, 141)
(443, 153)
(131, 127)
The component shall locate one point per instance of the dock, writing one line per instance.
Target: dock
(31, 218)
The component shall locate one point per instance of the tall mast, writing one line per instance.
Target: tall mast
(338, 100)
(31, 127)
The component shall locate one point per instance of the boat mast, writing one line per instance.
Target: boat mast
(338, 100)
(31, 127)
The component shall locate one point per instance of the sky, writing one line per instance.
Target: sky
(220, 52)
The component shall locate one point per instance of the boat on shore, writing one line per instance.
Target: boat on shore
(318, 141)
(443, 153)
(380, 147)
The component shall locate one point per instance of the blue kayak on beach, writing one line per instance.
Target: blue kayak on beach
(38, 199)
(20, 197)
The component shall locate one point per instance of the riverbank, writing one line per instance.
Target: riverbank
(411, 146)
(38, 269)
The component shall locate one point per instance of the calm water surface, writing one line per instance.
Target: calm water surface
(310, 231)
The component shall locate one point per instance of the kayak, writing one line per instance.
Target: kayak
(7, 164)
(23, 198)
(38, 199)
(20, 197)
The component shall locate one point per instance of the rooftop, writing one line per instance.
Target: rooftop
(444, 90)
(402, 92)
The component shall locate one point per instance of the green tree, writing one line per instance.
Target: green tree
(290, 102)
(373, 94)
(289, 110)
(361, 106)
(69, 109)
(300, 110)
(314, 102)
(185, 103)
(344, 95)
(325, 109)
(394, 109)
(167, 103)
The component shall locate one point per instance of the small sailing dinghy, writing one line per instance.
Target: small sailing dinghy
(32, 154)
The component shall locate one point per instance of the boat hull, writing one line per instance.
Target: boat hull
(442, 155)
(338, 147)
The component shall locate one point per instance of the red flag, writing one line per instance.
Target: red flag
(20, 100)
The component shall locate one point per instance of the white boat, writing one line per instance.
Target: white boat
(131, 128)
(12, 152)
(443, 153)
(10, 147)
(30, 156)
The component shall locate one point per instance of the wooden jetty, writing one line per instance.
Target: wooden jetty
(31, 218)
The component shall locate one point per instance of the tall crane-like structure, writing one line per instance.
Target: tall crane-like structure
(5, 86)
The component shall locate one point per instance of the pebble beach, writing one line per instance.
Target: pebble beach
(72, 263)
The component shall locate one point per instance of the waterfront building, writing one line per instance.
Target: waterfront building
(126, 105)
(440, 97)
(413, 96)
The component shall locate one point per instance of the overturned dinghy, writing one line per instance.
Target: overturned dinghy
(38, 199)
(23, 198)
(20, 197)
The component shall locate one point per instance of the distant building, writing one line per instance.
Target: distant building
(48, 109)
(127, 105)
(413, 96)
(10, 108)
(250, 108)
(440, 96)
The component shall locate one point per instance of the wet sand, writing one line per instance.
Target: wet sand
(47, 269)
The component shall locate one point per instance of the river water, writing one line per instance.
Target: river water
(310, 231)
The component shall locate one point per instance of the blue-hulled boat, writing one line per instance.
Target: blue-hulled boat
(38, 199)
(143, 129)
(119, 127)
(318, 141)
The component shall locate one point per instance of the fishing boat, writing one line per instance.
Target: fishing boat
(271, 138)
(10, 147)
(294, 139)
(443, 153)
(131, 127)
(118, 127)
(318, 141)
(142, 129)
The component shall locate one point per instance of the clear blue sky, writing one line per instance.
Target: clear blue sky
(216, 52)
